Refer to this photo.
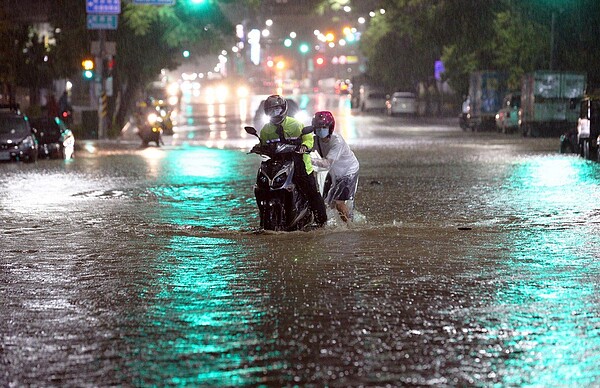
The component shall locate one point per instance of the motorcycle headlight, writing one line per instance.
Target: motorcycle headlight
(279, 180)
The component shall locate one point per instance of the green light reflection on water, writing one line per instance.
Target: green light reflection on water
(546, 313)
(202, 327)
(206, 187)
(203, 315)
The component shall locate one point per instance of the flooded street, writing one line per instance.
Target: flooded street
(475, 264)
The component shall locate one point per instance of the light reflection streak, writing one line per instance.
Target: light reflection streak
(203, 308)
(243, 110)
(546, 320)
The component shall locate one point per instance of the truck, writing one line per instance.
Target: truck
(487, 88)
(550, 102)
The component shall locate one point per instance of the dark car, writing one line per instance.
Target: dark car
(55, 140)
(17, 140)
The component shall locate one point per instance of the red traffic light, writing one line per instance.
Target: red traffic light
(319, 60)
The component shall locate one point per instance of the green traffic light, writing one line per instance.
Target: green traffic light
(304, 48)
(88, 74)
(287, 42)
(186, 54)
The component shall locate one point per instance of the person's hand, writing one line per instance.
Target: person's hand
(302, 149)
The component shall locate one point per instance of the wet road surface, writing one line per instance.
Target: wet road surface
(475, 265)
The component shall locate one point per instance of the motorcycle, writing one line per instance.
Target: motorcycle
(150, 129)
(281, 205)
(165, 112)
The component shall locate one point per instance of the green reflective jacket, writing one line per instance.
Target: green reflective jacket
(292, 129)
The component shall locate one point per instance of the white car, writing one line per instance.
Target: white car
(402, 103)
(373, 101)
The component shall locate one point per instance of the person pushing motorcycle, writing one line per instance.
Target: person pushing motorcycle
(281, 127)
(342, 179)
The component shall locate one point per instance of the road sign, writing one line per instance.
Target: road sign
(102, 22)
(154, 2)
(103, 6)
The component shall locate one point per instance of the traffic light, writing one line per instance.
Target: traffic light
(304, 48)
(88, 67)
(319, 60)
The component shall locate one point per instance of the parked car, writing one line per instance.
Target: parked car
(260, 118)
(373, 100)
(54, 139)
(507, 118)
(402, 103)
(17, 140)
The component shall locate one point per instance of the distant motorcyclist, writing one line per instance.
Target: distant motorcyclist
(342, 179)
(281, 127)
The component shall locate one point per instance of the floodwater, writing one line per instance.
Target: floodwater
(475, 264)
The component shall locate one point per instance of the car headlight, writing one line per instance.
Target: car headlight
(173, 100)
(152, 118)
(243, 91)
(264, 119)
(302, 116)
(28, 142)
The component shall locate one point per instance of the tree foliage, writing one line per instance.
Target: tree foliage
(468, 35)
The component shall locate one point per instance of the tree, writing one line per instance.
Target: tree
(469, 35)
(400, 51)
(10, 49)
(150, 38)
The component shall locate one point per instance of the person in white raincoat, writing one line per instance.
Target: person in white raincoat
(342, 179)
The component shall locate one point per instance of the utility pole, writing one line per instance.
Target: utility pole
(102, 15)
(101, 83)
(552, 26)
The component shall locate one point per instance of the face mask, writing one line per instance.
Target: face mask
(322, 132)
(276, 111)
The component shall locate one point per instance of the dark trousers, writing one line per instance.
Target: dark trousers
(307, 184)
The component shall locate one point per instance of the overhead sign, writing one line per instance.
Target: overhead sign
(103, 6)
(154, 2)
(102, 22)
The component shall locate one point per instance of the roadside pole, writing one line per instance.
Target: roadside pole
(102, 15)
(102, 95)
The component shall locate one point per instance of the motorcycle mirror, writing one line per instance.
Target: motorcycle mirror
(308, 129)
(251, 131)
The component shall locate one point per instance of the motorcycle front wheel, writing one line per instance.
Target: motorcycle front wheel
(273, 216)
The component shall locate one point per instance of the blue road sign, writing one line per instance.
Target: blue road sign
(103, 6)
(154, 2)
(102, 22)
